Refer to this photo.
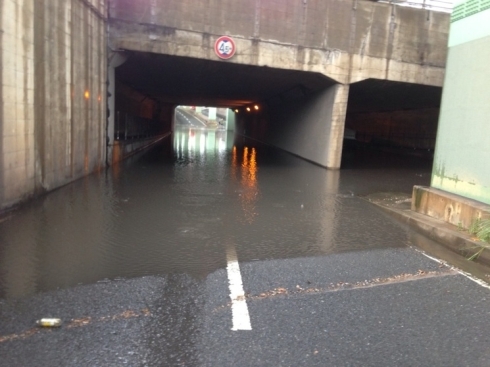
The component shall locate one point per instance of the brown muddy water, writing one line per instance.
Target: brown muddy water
(175, 208)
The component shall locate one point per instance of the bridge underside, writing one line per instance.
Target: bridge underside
(305, 113)
(192, 81)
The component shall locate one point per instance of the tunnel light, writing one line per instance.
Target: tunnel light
(256, 107)
(248, 109)
(86, 94)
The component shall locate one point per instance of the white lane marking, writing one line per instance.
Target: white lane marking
(471, 277)
(239, 309)
(463, 273)
(202, 122)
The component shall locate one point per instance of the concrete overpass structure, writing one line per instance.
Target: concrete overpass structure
(313, 66)
(308, 64)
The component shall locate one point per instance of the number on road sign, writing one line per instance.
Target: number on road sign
(224, 47)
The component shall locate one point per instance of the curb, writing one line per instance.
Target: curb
(439, 231)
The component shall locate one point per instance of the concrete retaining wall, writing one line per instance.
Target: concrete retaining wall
(451, 208)
(52, 94)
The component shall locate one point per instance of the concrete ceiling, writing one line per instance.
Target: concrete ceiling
(188, 81)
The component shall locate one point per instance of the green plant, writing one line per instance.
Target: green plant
(483, 232)
(476, 254)
(481, 229)
(474, 226)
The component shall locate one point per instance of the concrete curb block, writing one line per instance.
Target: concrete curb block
(439, 231)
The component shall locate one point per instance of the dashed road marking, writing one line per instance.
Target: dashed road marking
(239, 308)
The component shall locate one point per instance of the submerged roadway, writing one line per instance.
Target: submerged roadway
(215, 251)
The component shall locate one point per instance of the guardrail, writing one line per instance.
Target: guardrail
(129, 127)
(436, 5)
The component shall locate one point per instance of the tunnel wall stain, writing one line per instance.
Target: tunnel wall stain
(54, 102)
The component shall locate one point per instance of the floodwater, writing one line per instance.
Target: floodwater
(175, 209)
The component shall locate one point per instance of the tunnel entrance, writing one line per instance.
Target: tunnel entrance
(293, 110)
(148, 88)
(204, 117)
(393, 116)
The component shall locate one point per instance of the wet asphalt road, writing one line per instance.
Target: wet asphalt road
(186, 119)
(134, 262)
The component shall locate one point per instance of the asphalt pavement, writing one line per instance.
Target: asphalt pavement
(176, 251)
(186, 118)
(387, 307)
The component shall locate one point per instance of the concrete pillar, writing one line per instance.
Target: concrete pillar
(211, 142)
(115, 59)
(337, 125)
(230, 120)
(212, 113)
(311, 127)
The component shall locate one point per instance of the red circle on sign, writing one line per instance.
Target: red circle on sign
(224, 47)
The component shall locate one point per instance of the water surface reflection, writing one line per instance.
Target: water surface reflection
(174, 209)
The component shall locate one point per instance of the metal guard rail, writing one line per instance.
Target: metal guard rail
(437, 5)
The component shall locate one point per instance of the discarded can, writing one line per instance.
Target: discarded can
(49, 322)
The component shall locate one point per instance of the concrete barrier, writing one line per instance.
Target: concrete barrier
(451, 208)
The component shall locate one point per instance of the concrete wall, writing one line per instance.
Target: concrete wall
(347, 40)
(52, 94)
(453, 209)
(462, 156)
(311, 127)
(409, 128)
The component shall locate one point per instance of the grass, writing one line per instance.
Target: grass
(480, 228)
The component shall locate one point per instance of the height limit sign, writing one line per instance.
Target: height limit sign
(224, 47)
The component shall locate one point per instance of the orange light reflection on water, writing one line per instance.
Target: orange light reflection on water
(249, 184)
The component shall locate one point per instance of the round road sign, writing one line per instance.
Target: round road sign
(224, 47)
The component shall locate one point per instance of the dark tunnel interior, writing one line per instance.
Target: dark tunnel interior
(379, 112)
(188, 81)
(394, 114)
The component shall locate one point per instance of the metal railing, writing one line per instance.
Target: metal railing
(436, 5)
(130, 127)
(469, 8)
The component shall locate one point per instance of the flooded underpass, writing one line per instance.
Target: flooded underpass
(214, 250)
(175, 208)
